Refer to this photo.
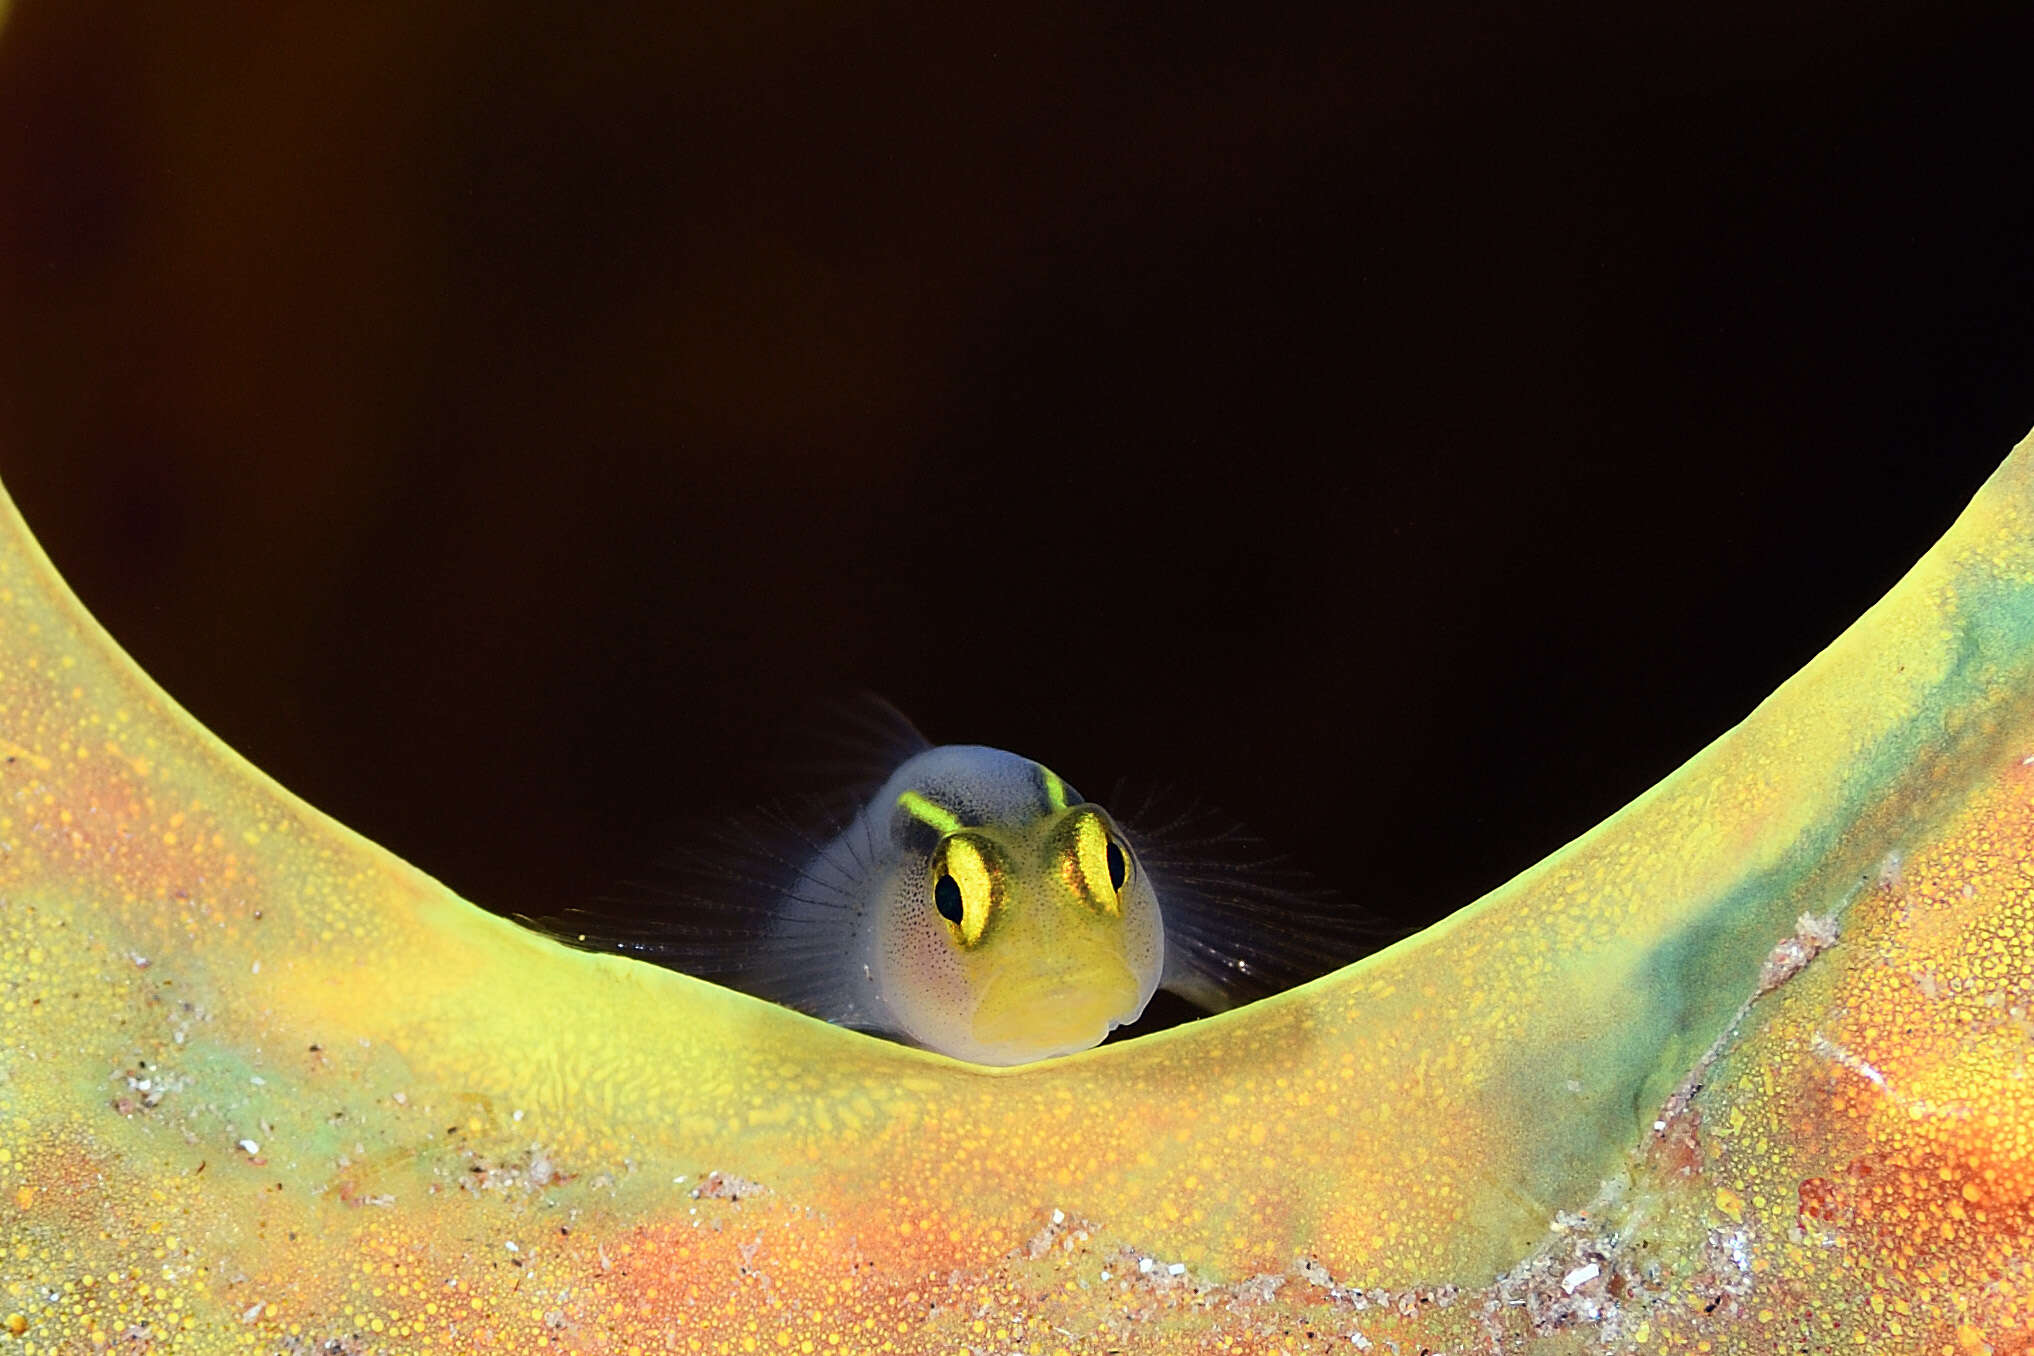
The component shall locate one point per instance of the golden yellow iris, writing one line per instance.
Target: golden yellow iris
(962, 859)
(1085, 866)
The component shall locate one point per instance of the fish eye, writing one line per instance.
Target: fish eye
(967, 885)
(1093, 863)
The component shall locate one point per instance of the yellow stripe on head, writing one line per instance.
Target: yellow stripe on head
(1055, 789)
(937, 817)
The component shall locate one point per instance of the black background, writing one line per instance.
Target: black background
(1416, 427)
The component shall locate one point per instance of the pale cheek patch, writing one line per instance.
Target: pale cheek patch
(922, 977)
(1143, 937)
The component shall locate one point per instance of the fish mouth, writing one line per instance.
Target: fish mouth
(1033, 1016)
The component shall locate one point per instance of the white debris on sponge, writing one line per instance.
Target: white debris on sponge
(1579, 1277)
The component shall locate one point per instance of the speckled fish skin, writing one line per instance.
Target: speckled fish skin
(1741, 1070)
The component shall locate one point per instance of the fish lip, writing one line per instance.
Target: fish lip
(1066, 1010)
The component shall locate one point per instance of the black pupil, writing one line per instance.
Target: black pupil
(1119, 870)
(946, 897)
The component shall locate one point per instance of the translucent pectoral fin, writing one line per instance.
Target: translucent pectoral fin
(1241, 922)
(767, 903)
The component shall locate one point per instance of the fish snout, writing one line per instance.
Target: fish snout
(1032, 1014)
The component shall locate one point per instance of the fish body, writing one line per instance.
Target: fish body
(975, 904)
(979, 906)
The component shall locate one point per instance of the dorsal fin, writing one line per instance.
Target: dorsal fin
(847, 744)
